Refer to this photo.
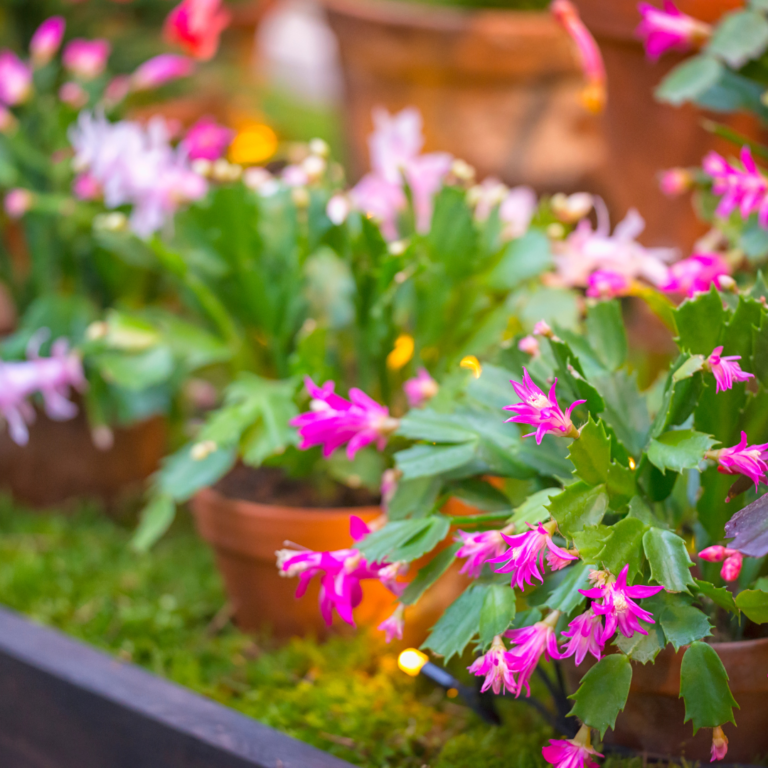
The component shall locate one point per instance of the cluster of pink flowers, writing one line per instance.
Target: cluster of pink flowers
(195, 26)
(731, 559)
(130, 164)
(50, 376)
(669, 29)
(341, 573)
(334, 421)
(541, 411)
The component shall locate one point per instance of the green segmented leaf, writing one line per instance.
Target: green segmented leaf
(429, 574)
(669, 559)
(678, 450)
(603, 692)
(704, 687)
(497, 613)
(458, 625)
(579, 505)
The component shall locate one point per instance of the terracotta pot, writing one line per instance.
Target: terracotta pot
(61, 462)
(652, 721)
(644, 137)
(499, 89)
(245, 536)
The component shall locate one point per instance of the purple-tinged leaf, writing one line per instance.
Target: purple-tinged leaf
(749, 529)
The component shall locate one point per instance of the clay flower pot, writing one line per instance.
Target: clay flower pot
(499, 89)
(652, 721)
(245, 536)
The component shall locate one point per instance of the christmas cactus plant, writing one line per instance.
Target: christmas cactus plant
(600, 533)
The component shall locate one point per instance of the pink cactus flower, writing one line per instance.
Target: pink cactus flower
(15, 79)
(117, 89)
(494, 668)
(207, 140)
(584, 635)
(529, 345)
(542, 329)
(85, 187)
(743, 459)
(381, 200)
(715, 554)
(73, 94)
(333, 421)
(726, 370)
(675, 181)
(420, 389)
(394, 625)
(531, 644)
(541, 411)
(571, 753)
(669, 29)
(338, 208)
(86, 59)
(731, 569)
(479, 548)
(47, 40)
(695, 274)
(719, 744)
(17, 202)
(525, 558)
(745, 188)
(517, 210)
(604, 284)
(160, 70)
(594, 94)
(195, 26)
(617, 606)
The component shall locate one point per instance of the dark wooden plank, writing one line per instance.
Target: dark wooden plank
(66, 705)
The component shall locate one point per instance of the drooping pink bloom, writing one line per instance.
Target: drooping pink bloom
(531, 644)
(73, 94)
(719, 744)
(604, 284)
(420, 389)
(541, 411)
(618, 607)
(529, 345)
(743, 459)
(160, 70)
(86, 59)
(695, 274)
(726, 370)
(584, 635)
(195, 26)
(47, 40)
(479, 548)
(494, 668)
(15, 79)
(732, 567)
(675, 182)
(394, 625)
(333, 421)
(669, 29)
(594, 94)
(525, 557)
(207, 140)
(745, 188)
(17, 202)
(571, 753)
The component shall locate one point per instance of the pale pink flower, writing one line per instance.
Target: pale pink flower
(195, 26)
(338, 209)
(15, 79)
(425, 175)
(333, 421)
(531, 644)
(542, 329)
(86, 59)
(618, 608)
(604, 284)
(486, 196)
(745, 188)
(381, 200)
(675, 181)
(669, 29)
(394, 625)
(494, 668)
(541, 411)
(47, 40)
(584, 635)
(695, 274)
(726, 370)
(525, 557)
(73, 94)
(117, 89)
(516, 211)
(420, 389)
(719, 744)
(529, 345)
(743, 459)
(389, 481)
(17, 202)
(395, 141)
(479, 548)
(571, 753)
(160, 70)
(207, 140)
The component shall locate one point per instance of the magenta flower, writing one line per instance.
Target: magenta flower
(195, 26)
(541, 411)
(85, 187)
(333, 421)
(725, 369)
(584, 635)
(719, 744)
(17, 202)
(532, 643)
(617, 606)
(743, 459)
(207, 140)
(715, 554)
(394, 625)
(669, 29)
(160, 70)
(571, 753)
(695, 274)
(494, 668)
(479, 548)
(744, 188)
(420, 389)
(675, 182)
(525, 557)
(47, 40)
(15, 79)
(86, 59)
(604, 284)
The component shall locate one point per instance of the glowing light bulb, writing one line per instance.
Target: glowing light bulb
(473, 364)
(411, 661)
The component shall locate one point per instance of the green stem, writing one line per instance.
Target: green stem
(488, 517)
